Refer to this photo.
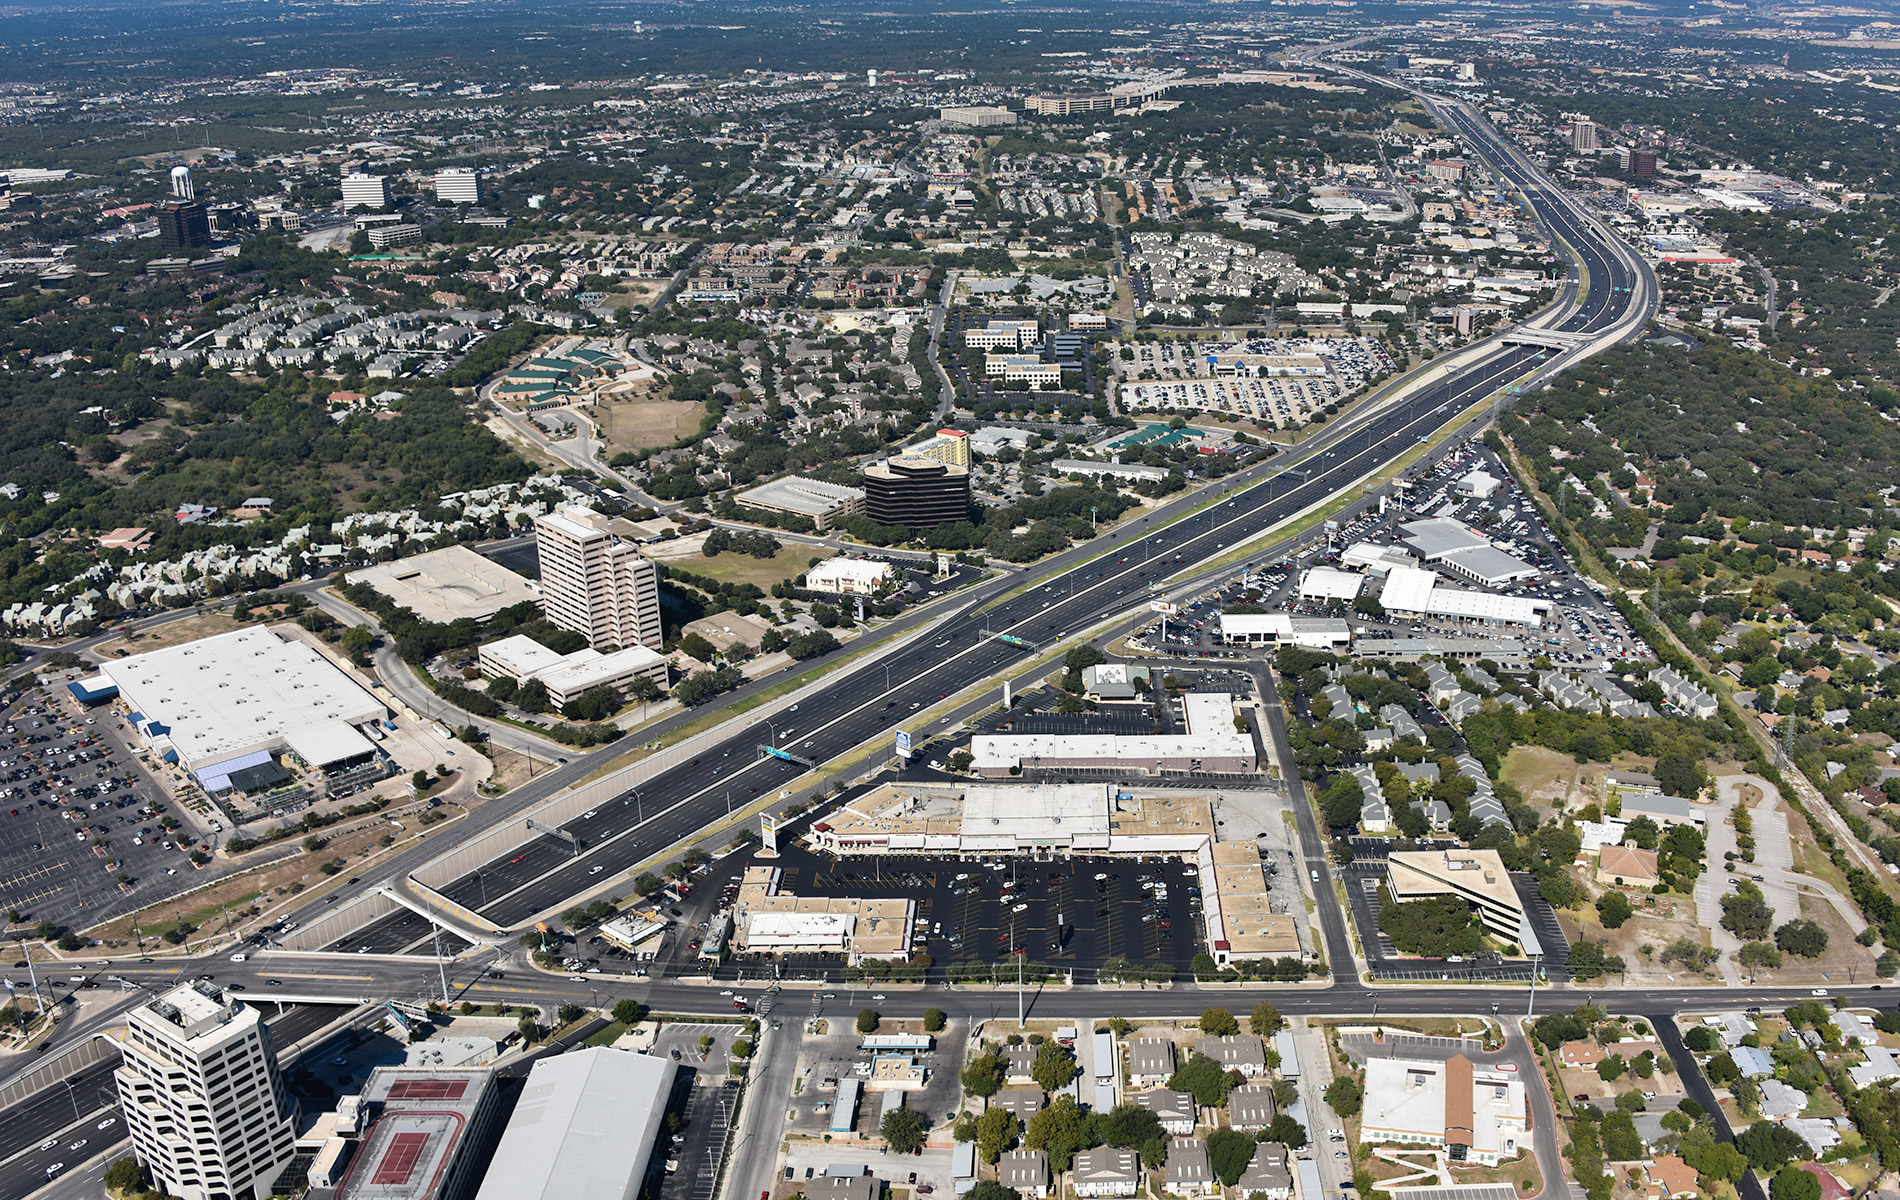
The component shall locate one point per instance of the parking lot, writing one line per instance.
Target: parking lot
(1072, 914)
(77, 813)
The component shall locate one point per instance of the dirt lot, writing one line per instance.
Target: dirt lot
(283, 871)
(175, 633)
(1549, 779)
(639, 424)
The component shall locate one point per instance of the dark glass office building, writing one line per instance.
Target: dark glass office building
(916, 492)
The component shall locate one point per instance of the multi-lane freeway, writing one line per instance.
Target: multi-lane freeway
(1608, 300)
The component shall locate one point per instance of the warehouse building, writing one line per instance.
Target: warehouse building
(449, 584)
(223, 704)
(585, 1125)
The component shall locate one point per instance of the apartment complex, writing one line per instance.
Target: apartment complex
(596, 584)
(202, 1097)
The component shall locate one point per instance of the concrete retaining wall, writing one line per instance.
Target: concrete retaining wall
(70, 1061)
(359, 913)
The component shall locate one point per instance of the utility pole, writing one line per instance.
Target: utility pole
(1530, 1010)
(441, 971)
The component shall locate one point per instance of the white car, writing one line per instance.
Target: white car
(878, 996)
(1818, 992)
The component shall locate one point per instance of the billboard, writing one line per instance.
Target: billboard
(768, 832)
(903, 743)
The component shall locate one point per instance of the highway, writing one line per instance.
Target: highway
(1085, 587)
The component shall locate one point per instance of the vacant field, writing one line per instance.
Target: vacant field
(737, 568)
(639, 424)
(1549, 778)
(175, 633)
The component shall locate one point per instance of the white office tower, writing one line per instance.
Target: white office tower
(181, 183)
(594, 583)
(202, 1097)
(870, 77)
(1583, 135)
(365, 191)
(458, 185)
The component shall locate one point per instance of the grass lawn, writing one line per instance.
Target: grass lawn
(743, 568)
(607, 1036)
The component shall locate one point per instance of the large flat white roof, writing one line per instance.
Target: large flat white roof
(230, 695)
(1414, 590)
(1065, 811)
(1329, 583)
(585, 668)
(784, 930)
(585, 1126)
(444, 585)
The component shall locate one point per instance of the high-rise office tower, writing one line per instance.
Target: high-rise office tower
(594, 583)
(202, 1097)
(458, 185)
(1583, 135)
(365, 191)
(183, 226)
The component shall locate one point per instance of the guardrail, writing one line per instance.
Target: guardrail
(53, 1071)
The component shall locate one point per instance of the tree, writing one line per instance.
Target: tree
(1218, 1022)
(867, 1020)
(1203, 1078)
(532, 697)
(1127, 1125)
(1611, 1069)
(1702, 1040)
(1722, 1069)
(902, 1129)
(1802, 937)
(1229, 1152)
(1059, 1131)
(567, 1014)
(630, 1012)
(1769, 1146)
(933, 1020)
(529, 1028)
(1438, 925)
(995, 1133)
(965, 1128)
(1265, 1019)
(126, 1175)
(989, 1189)
(1747, 915)
(1793, 1183)
(1345, 1095)
(1759, 955)
(1054, 1066)
(1680, 775)
(1613, 908)
(983, 1076)
(1286, 1131)
(420, 781)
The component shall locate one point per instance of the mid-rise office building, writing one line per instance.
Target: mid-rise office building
(1583, 135)
(183, 225)
(365, 191)
(916, 492)
(458, 185)
(202, 1096)
(595, 583)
